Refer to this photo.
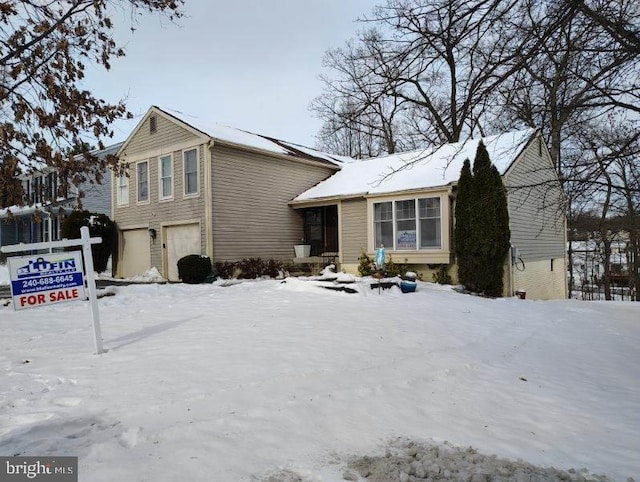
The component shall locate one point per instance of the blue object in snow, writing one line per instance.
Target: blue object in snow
(380, 258)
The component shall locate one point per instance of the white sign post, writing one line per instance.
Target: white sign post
(48, 278)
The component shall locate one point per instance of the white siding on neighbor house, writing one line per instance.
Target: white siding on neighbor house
(251, 192)
(97, 197)
(354, 229)
(536, 219)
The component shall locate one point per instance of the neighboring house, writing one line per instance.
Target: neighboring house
(37, 220)
(208, 189)
(407, 202)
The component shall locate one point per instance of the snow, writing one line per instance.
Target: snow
(244, 138)
(420, 169)
(272, 380)
(4, 274)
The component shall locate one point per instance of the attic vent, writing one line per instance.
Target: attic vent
(540, 146)
(153, 125)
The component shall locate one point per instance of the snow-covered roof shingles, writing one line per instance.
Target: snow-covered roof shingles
(421, 169)
(242, 138)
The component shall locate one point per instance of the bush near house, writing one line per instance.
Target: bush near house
(442, 276)
(100, 225)
(194, 268)
(366, 266)
(249, 268)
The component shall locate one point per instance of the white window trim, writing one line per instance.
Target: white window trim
(173, 184)
(148, 200)
(417, 249)
(117, 183)
(184, 184)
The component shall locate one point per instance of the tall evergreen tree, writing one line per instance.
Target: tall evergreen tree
(462, 232)
(482, 226)
(490, 225)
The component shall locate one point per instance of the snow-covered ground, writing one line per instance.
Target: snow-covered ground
(267, 380)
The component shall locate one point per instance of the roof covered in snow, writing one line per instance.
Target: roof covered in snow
(421, 169)
(231, 135)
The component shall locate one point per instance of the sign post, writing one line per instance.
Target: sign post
(48, 278)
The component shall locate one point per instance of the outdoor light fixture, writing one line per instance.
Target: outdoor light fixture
(153, 233)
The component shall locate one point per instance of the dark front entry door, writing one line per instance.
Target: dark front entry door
(321, 229)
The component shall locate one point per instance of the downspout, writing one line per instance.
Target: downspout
(208, 199)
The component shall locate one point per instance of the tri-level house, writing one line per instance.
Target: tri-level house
(40, 220)
(193, 188)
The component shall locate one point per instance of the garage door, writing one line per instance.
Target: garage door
(136, 252)
(180, 241)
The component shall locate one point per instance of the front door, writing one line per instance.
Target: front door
(321, 229)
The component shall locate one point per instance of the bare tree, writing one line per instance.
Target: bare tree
(577, 73)
(45, 113)
(434, 65)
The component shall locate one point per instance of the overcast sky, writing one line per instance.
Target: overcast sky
(250, 64)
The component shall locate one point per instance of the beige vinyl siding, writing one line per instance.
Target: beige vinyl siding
(537, 228)
(354, 229)
(167, 133)
(155, 213)
(251, 215)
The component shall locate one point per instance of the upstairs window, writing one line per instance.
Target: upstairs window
(190, 169)
(123, 190)
(142, 176)
(165, 172)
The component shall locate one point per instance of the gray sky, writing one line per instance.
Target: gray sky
(250, 64)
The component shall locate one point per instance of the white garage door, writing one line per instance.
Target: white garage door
(136, 252)
(180, 241)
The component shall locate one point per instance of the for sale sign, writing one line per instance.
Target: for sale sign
(46, 278)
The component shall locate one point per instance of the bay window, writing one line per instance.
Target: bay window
(383, 223)
(408, 224)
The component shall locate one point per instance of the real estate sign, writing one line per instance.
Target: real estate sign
(44, 279)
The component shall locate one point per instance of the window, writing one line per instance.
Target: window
(190, 167)
(123, 190)
(142, 177)
(430, 231)
(397, 226)
(406, 224)
(165, 171)
(383, 223)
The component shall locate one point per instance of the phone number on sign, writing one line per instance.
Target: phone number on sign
(50, 280)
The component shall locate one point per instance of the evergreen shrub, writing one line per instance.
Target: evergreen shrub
(194, 268)
(100, 225)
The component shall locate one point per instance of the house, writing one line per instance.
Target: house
(40, 220)
(407, 201)
(193, 188)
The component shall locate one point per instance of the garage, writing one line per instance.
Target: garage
(179, 241)
(136, 252)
